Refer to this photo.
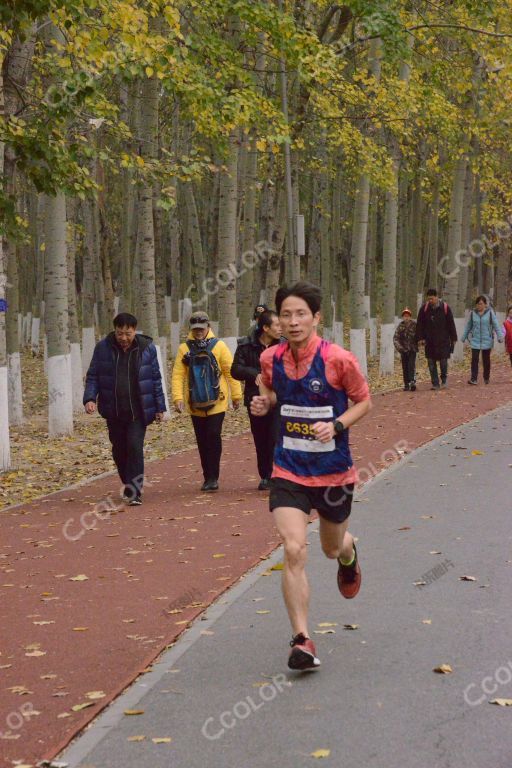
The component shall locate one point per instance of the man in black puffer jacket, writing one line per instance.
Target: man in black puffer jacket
(124, 378)
(246, 367)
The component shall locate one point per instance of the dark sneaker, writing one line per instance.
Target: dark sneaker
(486, 381)
(406, 387)
(303, 654)
(412, 386)
(435, 386)
(264, 484)
(135, 502)
(210, 485)
(443, 385)
(349, 578)
(473, 382)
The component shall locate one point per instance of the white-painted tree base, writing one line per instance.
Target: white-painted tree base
(14, 388)
(27, 328)
(77, 379)
(373, 337)
(88, 344)
(5, 452)
(185, 311)
(168, 308)
(387, 349)
(175, 338)
(419, 302)
(45, 356)
(338, 332)
(60, 396)
(162, 341)
(358, 347)
(328, 334)
(34, 335)
(117, 300)
(458, 352)
(215, 326)
(164, 385)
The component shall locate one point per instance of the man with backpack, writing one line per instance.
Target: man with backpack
(435, 328)
(201, 379)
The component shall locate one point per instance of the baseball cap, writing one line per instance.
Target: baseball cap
(407, 311)
(199, 320)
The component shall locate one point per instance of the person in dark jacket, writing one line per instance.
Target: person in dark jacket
(405, 343)
(246, 367)
(124, 381)
(435, 327)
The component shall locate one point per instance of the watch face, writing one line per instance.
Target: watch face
(338, 427)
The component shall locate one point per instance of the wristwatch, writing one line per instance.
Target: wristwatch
(338, 427)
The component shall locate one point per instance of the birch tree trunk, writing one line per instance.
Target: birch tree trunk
(248, 271)
(77, 385)
(60, 413)
(13, 343)
(357, 272)
(389, 252)
(5, 447)
(451, 267)
(88, 330)
(226, 274)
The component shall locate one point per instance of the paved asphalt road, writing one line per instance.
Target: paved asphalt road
(375, 702)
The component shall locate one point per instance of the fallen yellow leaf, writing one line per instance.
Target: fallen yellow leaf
(80, 577)
(443, 669)
(164, 740)
(328, 624)
(321, 753)
(133, 711)
(502, 702)
(94, 695)
(85, 704)
(427, 621)
(136, 738)
(477, 453)
(80, 629)
(219, 555)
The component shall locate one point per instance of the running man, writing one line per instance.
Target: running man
(311, 380)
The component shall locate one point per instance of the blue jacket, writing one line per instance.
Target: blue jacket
(100, 381)
(481, 329)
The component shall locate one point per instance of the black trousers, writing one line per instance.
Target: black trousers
(432, 367)
(208, 431)
(408, 366)
(264, 432)
(486, 360)
(127, 438)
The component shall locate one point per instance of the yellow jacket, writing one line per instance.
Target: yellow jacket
(228, 385)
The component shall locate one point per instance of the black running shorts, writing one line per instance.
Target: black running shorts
(332, 502)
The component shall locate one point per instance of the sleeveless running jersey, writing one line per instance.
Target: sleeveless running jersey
(301, 403)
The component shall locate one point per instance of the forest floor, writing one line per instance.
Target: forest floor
(41, 465)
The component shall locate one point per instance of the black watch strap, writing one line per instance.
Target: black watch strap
(338, 427)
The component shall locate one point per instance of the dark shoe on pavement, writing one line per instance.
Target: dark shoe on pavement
(443, 385)
(135, 502)
(303, 654)
(406, 387)
(210, 485)
(349, 577)
(435, 386)
(412, 386)
(486, 381)
(472, 381)
(264, 484)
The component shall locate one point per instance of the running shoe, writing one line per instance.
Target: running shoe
(303, 654)
(349, 577)
(135, 502)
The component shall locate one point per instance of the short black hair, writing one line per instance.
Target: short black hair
(431, 292)
(125, 319)
(265, 319)
(481, 298)
(257, 313)
(310, 293)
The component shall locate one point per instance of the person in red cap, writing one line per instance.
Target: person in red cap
(405, 343)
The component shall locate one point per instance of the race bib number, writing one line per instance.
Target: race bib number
(297, 428)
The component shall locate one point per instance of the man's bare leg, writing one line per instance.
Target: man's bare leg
(336, 541)
(292, 526)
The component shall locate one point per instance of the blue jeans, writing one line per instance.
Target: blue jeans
(432, 367)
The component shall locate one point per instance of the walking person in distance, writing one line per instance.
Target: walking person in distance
(246, 367)
(480, 328)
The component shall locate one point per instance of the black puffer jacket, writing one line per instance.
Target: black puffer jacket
(246, 363)
(100, 382)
